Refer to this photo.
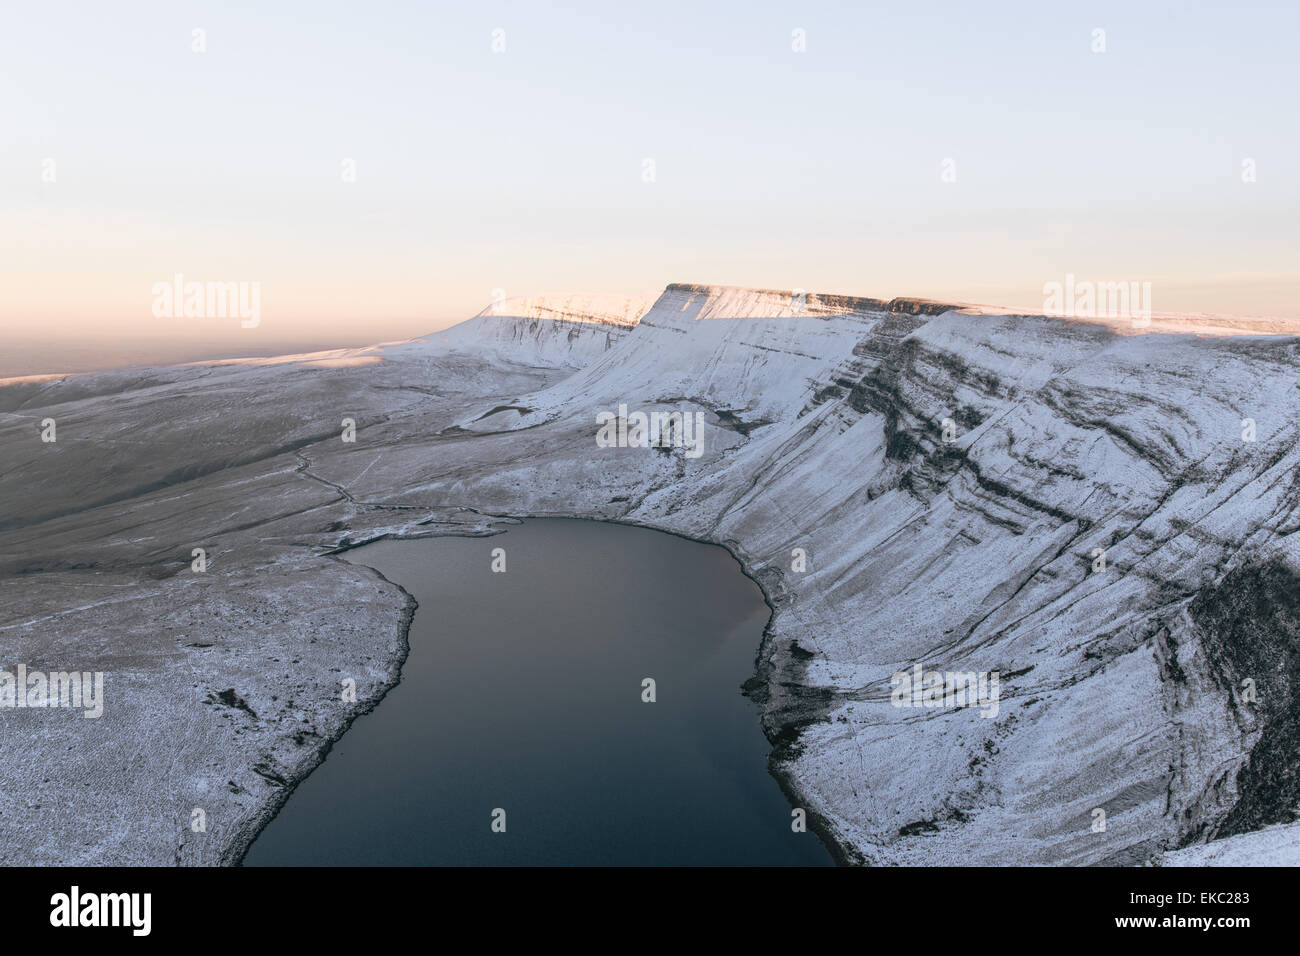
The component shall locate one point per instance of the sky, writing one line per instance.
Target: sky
(381, 169)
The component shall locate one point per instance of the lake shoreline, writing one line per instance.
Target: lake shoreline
(238, 848)
(244, 839)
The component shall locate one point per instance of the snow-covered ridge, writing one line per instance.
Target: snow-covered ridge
(599, 309)
(731, 302)
(949, 475)
(721, 301)
(565, 331)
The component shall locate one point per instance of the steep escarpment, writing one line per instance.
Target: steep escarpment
(976, 493)
(1106, 520)
(1249, 625)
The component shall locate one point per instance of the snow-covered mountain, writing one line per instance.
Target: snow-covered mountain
(1103, 515)
(556, 331)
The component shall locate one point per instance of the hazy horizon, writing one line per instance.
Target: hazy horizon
(26, 352)
(386, 182)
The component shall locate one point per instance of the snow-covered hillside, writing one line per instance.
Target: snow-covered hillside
(1070, 504)
(1272, 846)
(559, 331)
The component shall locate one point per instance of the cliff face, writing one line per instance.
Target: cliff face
(974, 555)
(1056, 501)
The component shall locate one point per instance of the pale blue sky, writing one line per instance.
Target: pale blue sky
(523, 170)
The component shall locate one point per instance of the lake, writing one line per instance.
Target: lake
(523, 693)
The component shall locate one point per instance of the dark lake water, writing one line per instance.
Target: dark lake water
(523, 692)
